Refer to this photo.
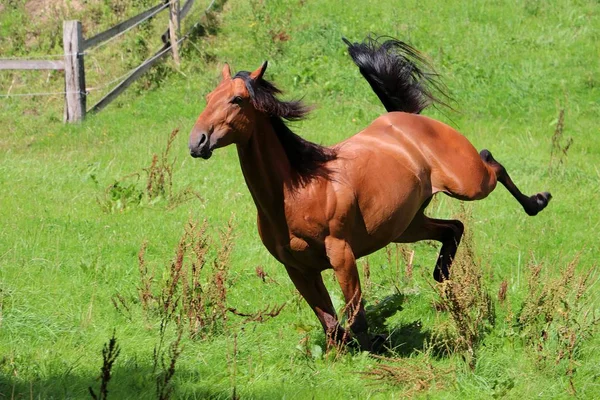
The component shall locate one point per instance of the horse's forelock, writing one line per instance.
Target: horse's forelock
(264, 98)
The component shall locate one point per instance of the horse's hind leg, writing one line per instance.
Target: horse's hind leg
(532, 204)
(448, 232)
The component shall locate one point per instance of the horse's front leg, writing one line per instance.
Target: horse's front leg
(311, 287)
(343, 263)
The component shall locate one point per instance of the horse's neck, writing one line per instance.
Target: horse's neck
(266, 169)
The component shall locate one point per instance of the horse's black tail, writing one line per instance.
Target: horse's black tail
(399, 75)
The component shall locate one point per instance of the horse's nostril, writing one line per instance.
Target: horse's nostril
(202, 140)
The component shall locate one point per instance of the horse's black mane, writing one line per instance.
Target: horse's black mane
(306, 158)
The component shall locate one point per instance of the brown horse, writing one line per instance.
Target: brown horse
(324, 207)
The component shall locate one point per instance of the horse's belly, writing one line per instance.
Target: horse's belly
(365, 241)
(387, 204)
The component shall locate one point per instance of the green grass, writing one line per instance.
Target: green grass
(510, 67)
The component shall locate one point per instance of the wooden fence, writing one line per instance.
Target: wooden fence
(75, 45)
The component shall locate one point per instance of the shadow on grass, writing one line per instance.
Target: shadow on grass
(403, 339)
(406, 339)
(137, 382)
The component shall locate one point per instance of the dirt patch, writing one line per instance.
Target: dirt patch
(41, 11)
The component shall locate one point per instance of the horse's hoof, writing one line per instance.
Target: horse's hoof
(539, 202)
(543, 199)
(364, 341)
(378, 343)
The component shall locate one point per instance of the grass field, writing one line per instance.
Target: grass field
(74, 218)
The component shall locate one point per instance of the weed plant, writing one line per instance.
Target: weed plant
(125, 192)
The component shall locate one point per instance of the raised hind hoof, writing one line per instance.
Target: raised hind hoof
(538, 203)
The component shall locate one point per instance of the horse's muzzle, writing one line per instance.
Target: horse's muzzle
(204, 153)
(201, 148)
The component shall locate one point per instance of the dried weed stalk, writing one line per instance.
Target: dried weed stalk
(120, 304)
(110, 352)
(194, 288)
(260, 316)
(146, 279)
(366, 282)
(159, 178)
(164, 387)
(159, 175)
(266, 278)
(233, 363)
(554, 319)
(125, 192)
(415, 375)
(350, 312)
(408, 255)
(466, 299)
(392, 256)
(558, 151)
(502, 291)
(399, 257)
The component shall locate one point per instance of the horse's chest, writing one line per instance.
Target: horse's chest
(293, 249)
(303, 254)
(306, 227)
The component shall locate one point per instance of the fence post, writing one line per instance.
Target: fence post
(174, 28)
(75, 96)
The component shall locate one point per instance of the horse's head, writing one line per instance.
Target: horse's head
(228, 115)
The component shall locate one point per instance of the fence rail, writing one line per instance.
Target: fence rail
(139, 71)
(75, 46)
(32, 64)
(122, 27)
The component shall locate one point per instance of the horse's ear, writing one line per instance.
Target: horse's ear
(256, 75)
(226, 72)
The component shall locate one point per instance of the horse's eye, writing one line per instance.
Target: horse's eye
(236, 100)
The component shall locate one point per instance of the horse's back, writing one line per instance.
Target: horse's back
(422, 135)
(410, 143)
(430, 147)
